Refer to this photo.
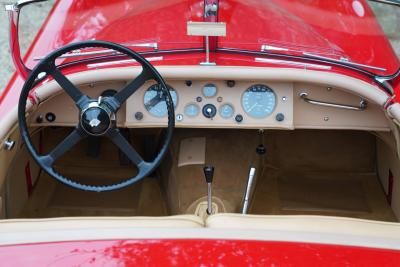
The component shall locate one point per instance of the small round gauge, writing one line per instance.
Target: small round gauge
(259, 101)
(192, 110)
(209, 90)
(154, 100)
(226, 111)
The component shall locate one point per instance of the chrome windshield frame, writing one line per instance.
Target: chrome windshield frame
(388, 2)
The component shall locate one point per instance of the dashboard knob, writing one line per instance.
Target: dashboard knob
(280, 117)
(209, 111)
(238, 118)
(50, 117)
(230, 83)
(139, 115)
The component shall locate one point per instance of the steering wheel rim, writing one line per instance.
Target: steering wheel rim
(105, 109)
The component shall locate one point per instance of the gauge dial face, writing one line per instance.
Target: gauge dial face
(226, 111)
(192, 110)
(209, 90)
(154, 100)
(259, 101)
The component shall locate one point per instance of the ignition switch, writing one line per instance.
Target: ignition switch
(209, 111)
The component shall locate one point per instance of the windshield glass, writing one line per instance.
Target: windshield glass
(344, 29)
(389, 19)
(352, 31)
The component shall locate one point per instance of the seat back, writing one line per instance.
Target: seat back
(306, 224)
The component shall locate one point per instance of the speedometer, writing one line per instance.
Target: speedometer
(154, 100)
(259, 101)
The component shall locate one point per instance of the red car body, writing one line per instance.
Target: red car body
(249, 22)
(200, 252)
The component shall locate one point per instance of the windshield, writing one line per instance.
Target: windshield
(345, 30)
(352, 31)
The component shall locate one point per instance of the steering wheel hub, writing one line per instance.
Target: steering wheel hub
(95, 120)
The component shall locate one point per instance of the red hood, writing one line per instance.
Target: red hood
(163, 22)
(330, 28)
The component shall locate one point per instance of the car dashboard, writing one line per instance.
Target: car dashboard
(204, 103)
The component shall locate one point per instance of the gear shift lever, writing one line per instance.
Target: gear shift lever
(209, 174)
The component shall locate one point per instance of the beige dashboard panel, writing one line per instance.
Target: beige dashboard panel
(298, 114)
(225, 95)
(65, 110)
(311, 116)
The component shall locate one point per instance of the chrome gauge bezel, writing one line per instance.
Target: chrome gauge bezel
(192, 104)
(220, 110)
(252, 114)
(152, 113)
(209, 85)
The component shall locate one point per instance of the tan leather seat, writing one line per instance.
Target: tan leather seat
(309, 224)
(19, 231)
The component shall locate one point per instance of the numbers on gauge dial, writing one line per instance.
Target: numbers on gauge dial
(226, 111)
(259, 101)
(209, 90)
(154, 100)
(192, 110)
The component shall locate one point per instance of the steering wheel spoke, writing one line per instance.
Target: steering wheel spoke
(72, 139)
(77, 96)
(119, 140)
(131, 88)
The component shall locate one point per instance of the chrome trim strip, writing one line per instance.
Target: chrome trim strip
(363, 103)
(117, 62)
(345, 60)
(265, 47)
(292, 63)
(79, 53)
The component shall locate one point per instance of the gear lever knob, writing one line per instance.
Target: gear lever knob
(208, 173)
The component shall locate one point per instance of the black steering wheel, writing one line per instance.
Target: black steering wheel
(96, 116)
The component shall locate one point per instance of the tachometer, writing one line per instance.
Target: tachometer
(259, 101)
(154, 100)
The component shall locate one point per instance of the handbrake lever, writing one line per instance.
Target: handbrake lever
(249, 191)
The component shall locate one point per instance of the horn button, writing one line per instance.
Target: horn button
(95, 119)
